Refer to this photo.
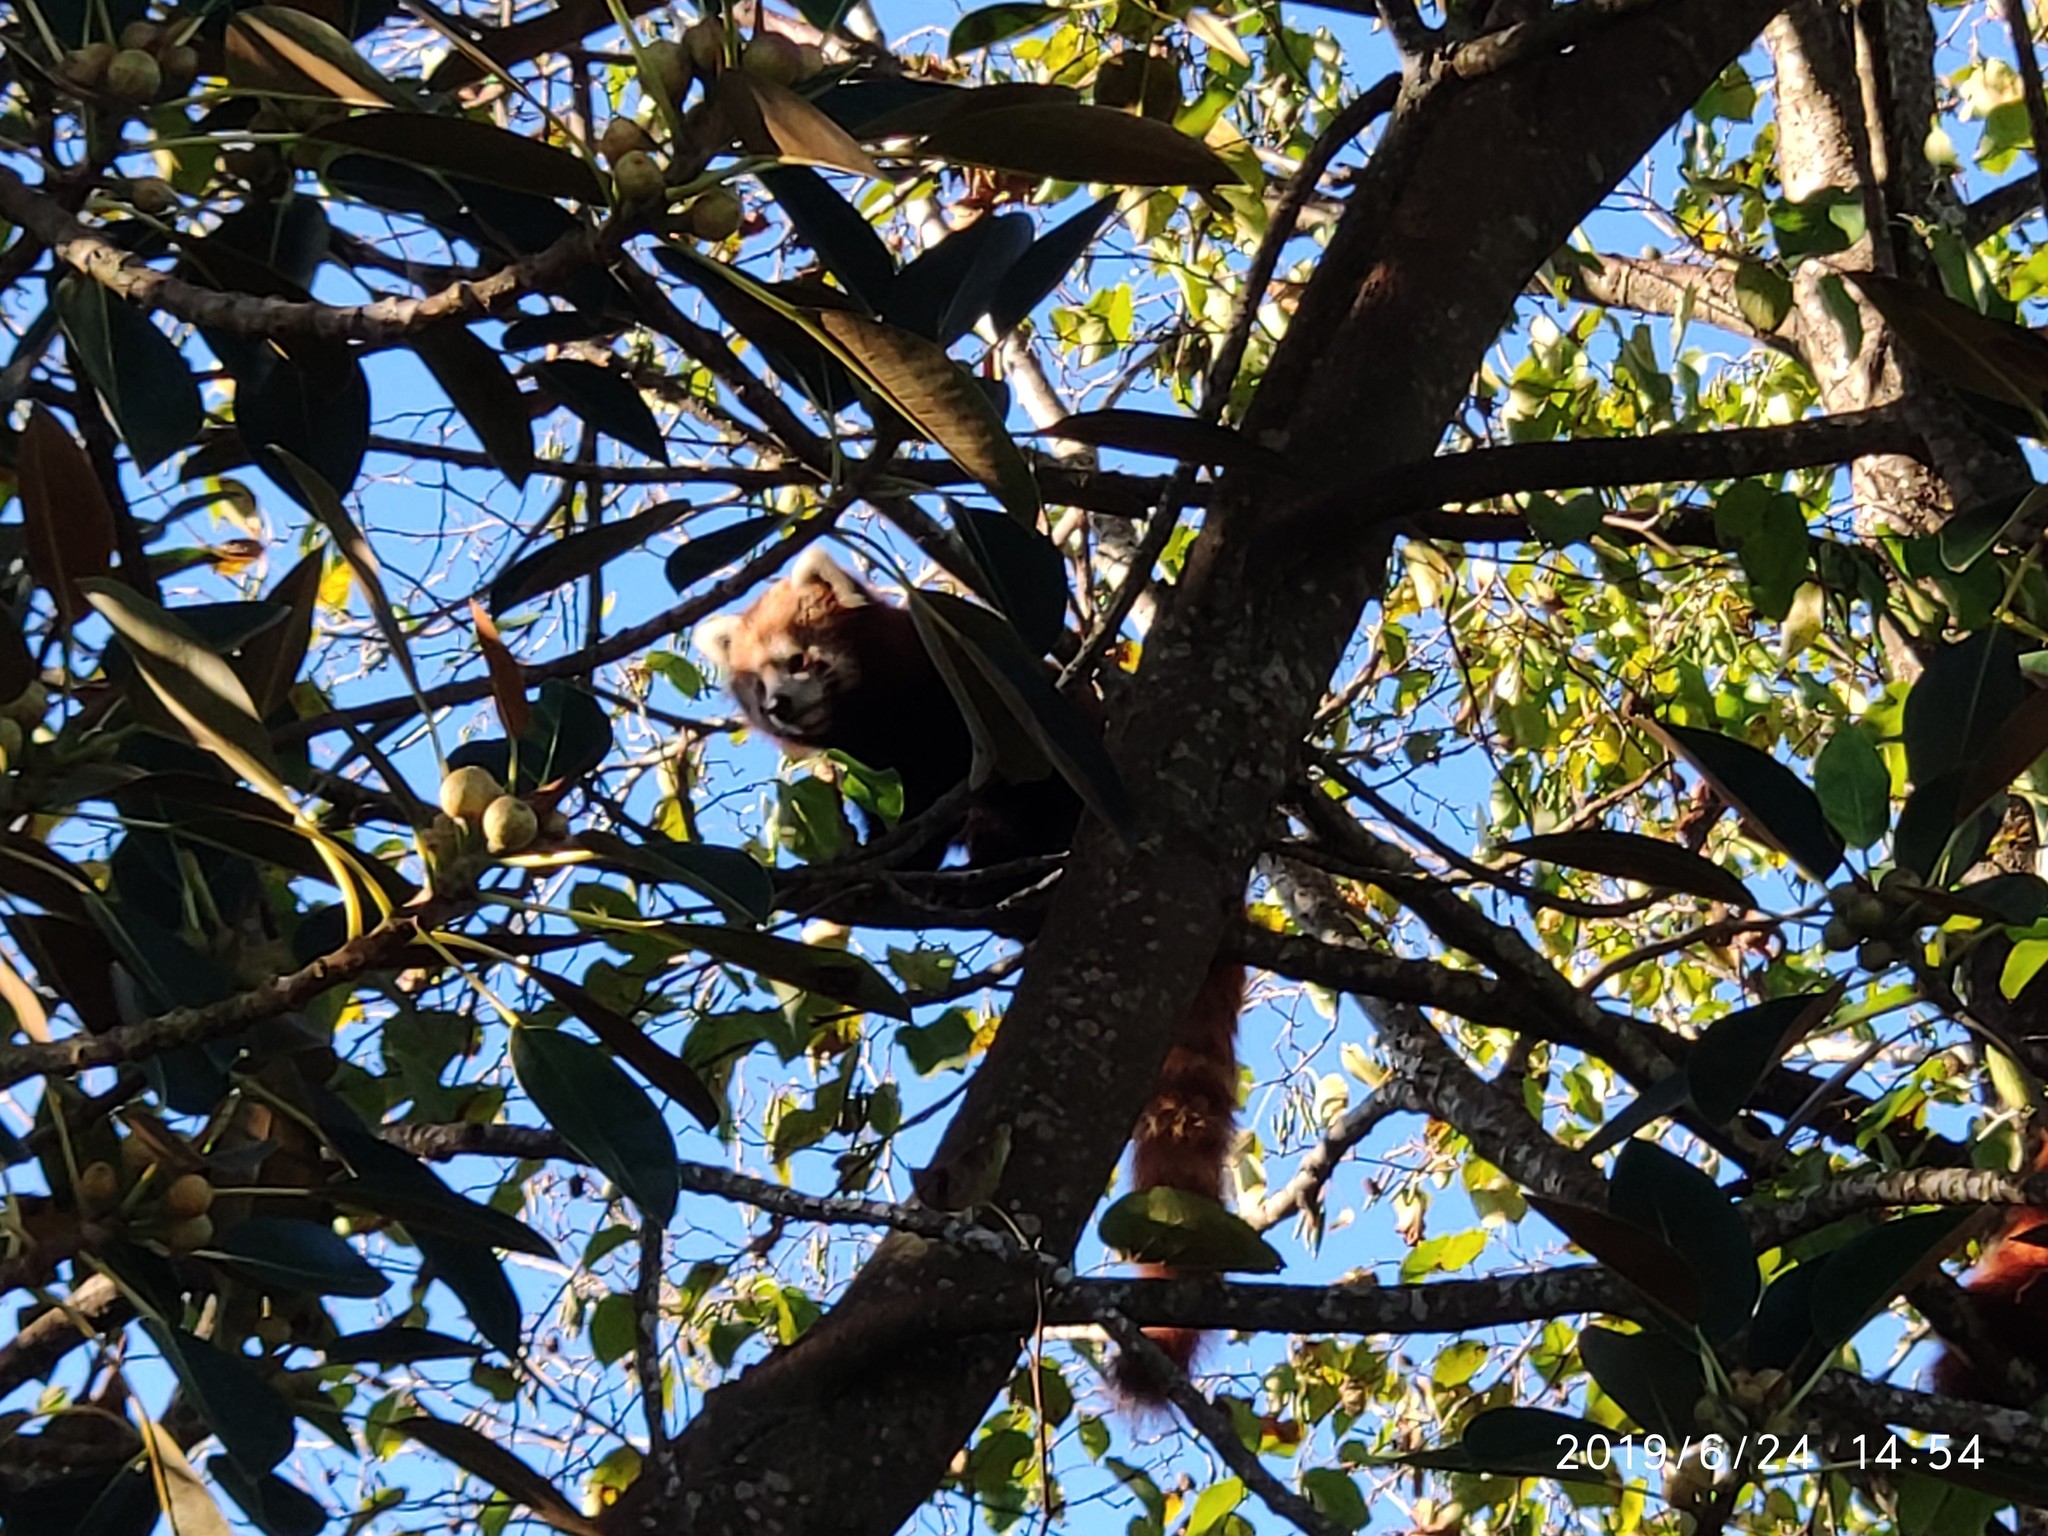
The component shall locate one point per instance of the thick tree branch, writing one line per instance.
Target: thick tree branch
(1660, 286)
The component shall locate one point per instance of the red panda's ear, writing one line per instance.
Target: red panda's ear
(713, 638)
(815, 568)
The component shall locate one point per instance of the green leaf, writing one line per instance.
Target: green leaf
(1573, 521)
(397, 1344)
(273, 1506)
(474, 378)
(627, 1041)
(2003, 363)
(1779, 809)
(731, 877)
(771, 119)
(690, 562)
(1214, 1507)
(1034, 276)
(1865, 1273)
(993, 24)
(135, 368)
(1019, 570)
(306, 404)
(1655, 1380)
(1733, 1054)
(485, 1459)
(1771, 541)
(1336, 1497)
(608, 401)
(1184, 1231)
(570, 734)
(1968, 691)
(950, 286)
(964, 639)
(1647, 860)
(1169, 437)
(1530, 1442)
(569, 559)
(946, 1042)
(183, 1495)
(67, 524)
(839, 232)
(1969, 536)
(1764, 295)
(1668, 1196)
(833, 973)
(279, 1254)
(939, 398)
(269, 662)
(388, 1181)
(236, 1402)
(198, 688)
(1854, 786)
(278, 49)
(471, 148)
(600, 1112)
(1639, 1256)
(1824, 224)
(1079, 143)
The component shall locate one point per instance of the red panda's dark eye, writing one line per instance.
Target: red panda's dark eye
(796, 662)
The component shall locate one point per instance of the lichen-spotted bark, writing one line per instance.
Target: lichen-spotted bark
(1474, 184)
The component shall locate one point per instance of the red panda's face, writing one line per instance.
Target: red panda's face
(782, 658)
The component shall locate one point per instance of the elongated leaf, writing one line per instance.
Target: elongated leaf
(844, 978)
(1019, 570)
(1631, 856)
(397, 1344)
(731, 877)
(1668, 1196)
(1668, 1095)
(1173, 1227)
(1655, 1380)
(1168, 437)
(949, 287)
(1969, 689)
(772, 119)
(1975, 353)
(627, 1041)
(197, 687)
(2012, 747)
(284, 1255)
(270, 662)
(136, 369)
(570, 736)
(180, 1491)
(392, 1182)
(1736, 1051)
(355, 548)
(467, 147)
(243, 1409)
(475, 380)
(1077, 143)
(940, 399)
(1033, 277)
(1641, 1257)
(508, 678)
(484, 1458)
(67, 524)
(600, 1112)
(1854, 786)
(1779, 809)
(1866, 1272)
(276, 48)
(964, 636)
(894, 109)
(308, 402)
(691, 562)
(477, 1277)
(1969, 536)
(993, 24)
(839, 232)
(569, 559)
(607, 400)
(1532, 1442)
(274, 1506)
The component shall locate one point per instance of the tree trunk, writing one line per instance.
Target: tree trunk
(1475, 183)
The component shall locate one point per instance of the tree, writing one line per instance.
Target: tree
(1732, 627)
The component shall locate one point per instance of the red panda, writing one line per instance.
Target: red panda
(820, 663)
(2010, 1292)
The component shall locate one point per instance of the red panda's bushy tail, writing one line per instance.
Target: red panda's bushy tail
(1183, 1139)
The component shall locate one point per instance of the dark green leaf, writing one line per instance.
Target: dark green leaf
(833, 973)
(468, 147)
(278, 49)
(1079, 143)
(1854, 786)
(570, 736)
(396, 1344)
(950, 286)
(1667, 1195)
(839, 232)
(627, 1041)
(253, 1422)
(1769, 532)
(1824, 224)
(1631, 856)
(137, 370)
(731, 877)
(1731, 1057)
(608, 400)
(484, 1458)
(1779, 809)
(1969, 536)
(2004, 363)
(1969, 689)
(1019, 570)
(1781, 1336)
(602, 1113)
(1173, 1227)
(946, 1042)
(391, 1182)
(270, 661)
(1641, 1257)
(1531, 1442)
(1168, 437)
(67, 524)
(476, 382)
(690, 562)
(771, 119)
(1655, 1380)
(273, 1506)
(825, 15)
(569, 559)
(1866, 1272)
(279, 1254)
(2012, 746)
(1033, 277)
(1764, 295)
(479, 1282)
(997, 23)
(891, 109)
(1668, 1095)
(309, 401)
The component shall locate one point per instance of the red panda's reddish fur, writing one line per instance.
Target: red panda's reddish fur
(821, 663)
(2009, 1289)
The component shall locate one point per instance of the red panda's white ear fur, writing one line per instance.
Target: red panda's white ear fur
(816, 567)
(713, 638)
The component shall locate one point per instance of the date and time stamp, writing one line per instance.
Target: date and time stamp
(1765, 1455)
